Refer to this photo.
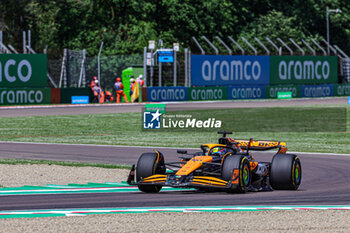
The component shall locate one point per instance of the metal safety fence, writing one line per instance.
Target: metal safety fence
(346, 69)
(77, 70)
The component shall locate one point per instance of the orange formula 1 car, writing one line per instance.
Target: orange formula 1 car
(227, 166)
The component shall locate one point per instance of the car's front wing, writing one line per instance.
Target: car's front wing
(193, 182)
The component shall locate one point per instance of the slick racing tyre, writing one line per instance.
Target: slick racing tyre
(285, 172)
(236, 169)
(148, 165)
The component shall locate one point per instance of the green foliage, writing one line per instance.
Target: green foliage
(125, 26)
(273, 25)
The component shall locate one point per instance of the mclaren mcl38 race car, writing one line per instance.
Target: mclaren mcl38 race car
(227, 165)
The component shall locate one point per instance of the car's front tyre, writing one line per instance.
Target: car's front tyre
(149, 164)
(236, 169)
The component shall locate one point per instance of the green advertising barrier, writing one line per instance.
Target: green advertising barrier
(23, 70)
(303, 69)
(154, 107)
(284, 95)
(207, 93)
(342, 89)
(271, 91)
(16, 96)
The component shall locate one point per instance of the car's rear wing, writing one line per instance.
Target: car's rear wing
(261, 145)
(251, 144)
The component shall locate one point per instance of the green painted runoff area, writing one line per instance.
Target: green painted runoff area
(134, 210)
(75, 188)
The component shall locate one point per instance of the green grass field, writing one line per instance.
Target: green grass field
(125, 129)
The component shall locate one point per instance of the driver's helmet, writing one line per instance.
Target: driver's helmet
(218, 151)
(215, 150)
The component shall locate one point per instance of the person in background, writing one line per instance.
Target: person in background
(98, 91)
(92, 84)
(119, 90)
(132, 85)
(140, 81)
(108, 97)
(134, 90)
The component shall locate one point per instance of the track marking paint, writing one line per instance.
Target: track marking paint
(76, 188)
(159, 147)
(171, 103)
(86, 212)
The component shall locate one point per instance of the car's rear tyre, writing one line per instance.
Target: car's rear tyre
(237, 167)
(148, 165)
(285, 172)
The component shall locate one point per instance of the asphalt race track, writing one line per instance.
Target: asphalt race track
(325, 181)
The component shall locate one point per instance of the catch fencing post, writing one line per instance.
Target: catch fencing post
(251, 46)
(274, 45)
(151, 46)
(0, 41)
(331, 47)
(2, 46)
(145, 65)
(320, 47)
(341, 51)
(238, 46)
(29, 39)
(82, 76)
(12, 48)
(175, 48)
(285, 45)
(189, 68)
(225, 45)
(24, 42)
(296, 45)
(175, 81)
(199, 46)
(99, 69)
(160, 42)
(186, 67)
(45, 49)
(63, 76)
(262, 45)
(211, 45)
(309, 47)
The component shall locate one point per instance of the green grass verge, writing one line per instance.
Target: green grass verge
(61, 163)
(125, 129)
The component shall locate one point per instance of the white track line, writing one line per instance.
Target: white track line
(170, 102)
(159, 147)
(84, 212)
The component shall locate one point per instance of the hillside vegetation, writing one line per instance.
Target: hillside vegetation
(125, 26)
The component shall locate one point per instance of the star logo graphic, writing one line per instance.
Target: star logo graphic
(156, 115)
